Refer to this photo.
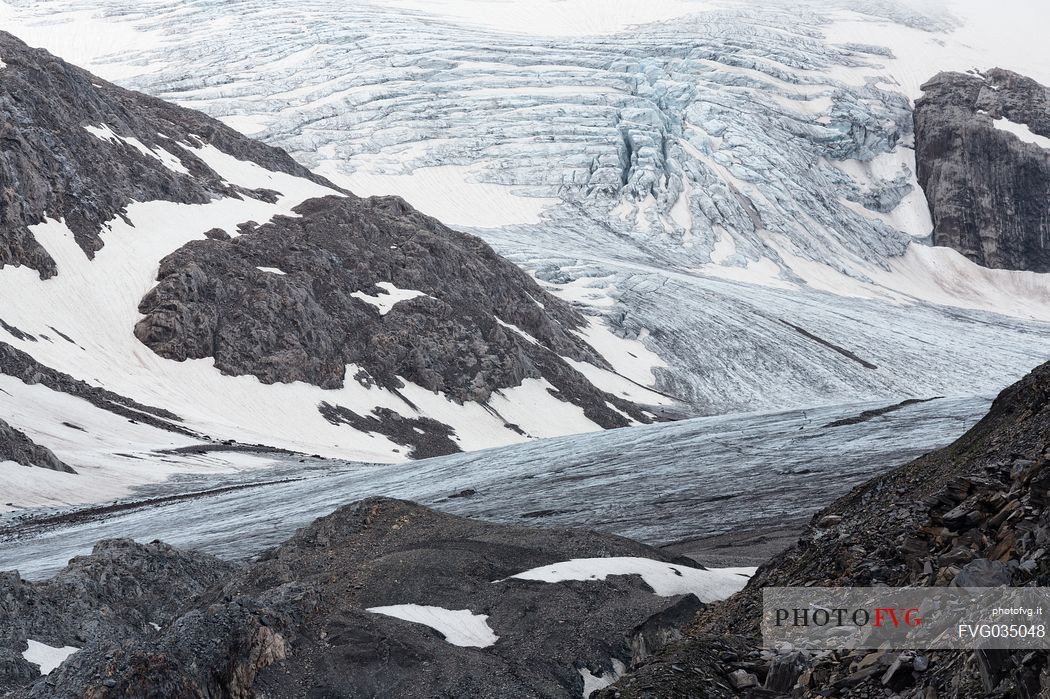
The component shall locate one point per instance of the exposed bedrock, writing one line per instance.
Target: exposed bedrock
(75, 147)
(122, 591)
(986, 175)
(150, 620)
(16, 446)
(374, 284)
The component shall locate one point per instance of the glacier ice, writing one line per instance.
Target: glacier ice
(701, 178)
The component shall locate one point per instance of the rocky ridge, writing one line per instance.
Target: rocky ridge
(154, 621)
(322, 281)
(300, 298)
(988, 188)
(17, 447)
(79, 148)
(974, 513)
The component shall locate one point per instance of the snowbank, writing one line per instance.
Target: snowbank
(460, 627)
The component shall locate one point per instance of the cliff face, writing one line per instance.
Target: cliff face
(982, 158)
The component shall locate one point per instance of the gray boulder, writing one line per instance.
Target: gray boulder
(983, 573)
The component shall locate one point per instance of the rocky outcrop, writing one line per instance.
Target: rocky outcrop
(16, 446)
(368, 284)
(137, 149)
(374, 284)
(122, 591)
(425, 437)
(295, 623)
(974, 513)
(988, 189)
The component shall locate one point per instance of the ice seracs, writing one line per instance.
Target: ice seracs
(716, 172)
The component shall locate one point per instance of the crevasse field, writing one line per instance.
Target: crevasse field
(727, 189)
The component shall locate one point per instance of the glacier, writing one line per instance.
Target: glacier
(727, 189)
(656, 484)
(714, 176)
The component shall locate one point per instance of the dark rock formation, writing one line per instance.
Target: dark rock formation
(81, 149)
(989, 192)
(115, 595)
(424, 436)
(309, 323)
(51, 165)
(294, 623)
(16, 446)
(972, 513)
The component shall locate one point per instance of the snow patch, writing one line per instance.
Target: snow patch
(724, 248)
(249, 125)
(46, 657)
(460, 627)
(592, 683)
(1022, 131)
(519, 331)
(666, 579)
(533, 408)
(1001, 34)
(630, 359)
(763, 272)
(912, 214)
(386, 302)
(272, 270)
(165, 158)
(441, 191)
(618, 385)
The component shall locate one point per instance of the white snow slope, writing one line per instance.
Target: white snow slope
(729, 185)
